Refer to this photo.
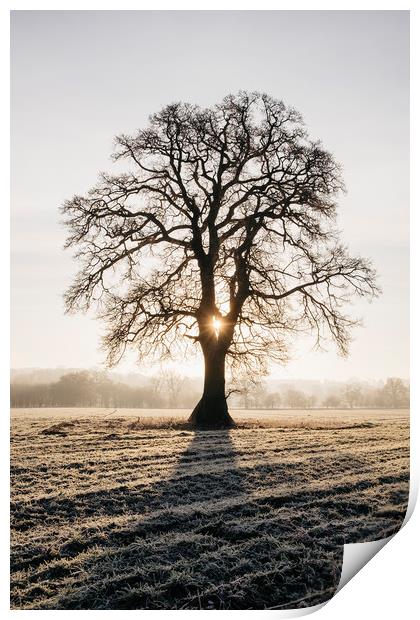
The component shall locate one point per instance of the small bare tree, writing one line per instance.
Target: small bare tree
(221, 232)
(173, 384)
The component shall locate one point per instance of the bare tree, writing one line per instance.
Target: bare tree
(221, 232)
(173, 384)
(296, 399)
(332, 401)
(353, 395)
(245, 387)
(395, 393)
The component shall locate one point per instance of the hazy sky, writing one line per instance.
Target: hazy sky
(79, 78)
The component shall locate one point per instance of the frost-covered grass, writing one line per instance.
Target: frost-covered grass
(130, 509)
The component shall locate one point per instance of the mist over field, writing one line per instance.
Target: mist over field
(81, 388)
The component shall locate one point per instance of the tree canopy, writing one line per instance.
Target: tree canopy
(220, 231)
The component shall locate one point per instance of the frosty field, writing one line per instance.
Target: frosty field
(129, 509)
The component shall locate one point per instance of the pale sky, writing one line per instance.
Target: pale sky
(80, 78)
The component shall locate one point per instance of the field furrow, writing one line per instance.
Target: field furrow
(121, 513)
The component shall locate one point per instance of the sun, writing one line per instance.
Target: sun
(217, 325)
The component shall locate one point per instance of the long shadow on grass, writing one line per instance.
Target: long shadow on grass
(228, 528)
(203, 538)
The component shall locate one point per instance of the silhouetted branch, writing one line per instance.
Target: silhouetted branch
(226, 213)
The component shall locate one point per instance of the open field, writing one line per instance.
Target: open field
(110, 511)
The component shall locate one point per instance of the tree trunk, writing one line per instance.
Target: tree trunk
(212, 410)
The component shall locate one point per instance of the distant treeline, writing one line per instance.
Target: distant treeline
(94, 389)
(97, 389)
(394, 394)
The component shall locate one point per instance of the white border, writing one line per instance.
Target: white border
(386, 587)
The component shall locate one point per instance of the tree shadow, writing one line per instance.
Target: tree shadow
(202, 542)
(229, 528)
